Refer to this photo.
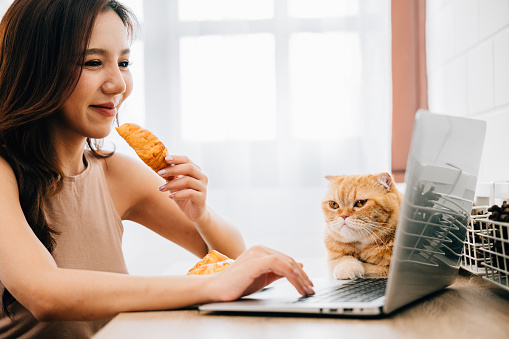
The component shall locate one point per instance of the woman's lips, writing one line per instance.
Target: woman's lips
(106, 110)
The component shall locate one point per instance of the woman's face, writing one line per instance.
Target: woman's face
(105, 81)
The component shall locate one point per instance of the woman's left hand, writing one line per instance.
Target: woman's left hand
(188, 187)
(254, 269)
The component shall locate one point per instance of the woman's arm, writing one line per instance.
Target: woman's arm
(188, 189)
(142, 196)
(29, 272)
(52, 293)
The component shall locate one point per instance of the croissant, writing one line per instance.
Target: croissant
(213, 262)
(146, 145)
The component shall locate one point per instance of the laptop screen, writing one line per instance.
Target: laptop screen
(441, 179)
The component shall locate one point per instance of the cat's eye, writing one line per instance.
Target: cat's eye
(360, 203)
(334, 205)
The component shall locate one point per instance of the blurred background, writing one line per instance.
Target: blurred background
(269, 96)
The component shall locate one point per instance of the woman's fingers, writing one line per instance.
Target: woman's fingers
(182, 174)
(179, 159)
(182, 183)
(187, 169)
(270, 265)
(187, 185)
(187, 194)
(297, 267)
(174, 160)
(282, 268)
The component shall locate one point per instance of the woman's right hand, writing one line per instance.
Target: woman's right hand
(256, 268)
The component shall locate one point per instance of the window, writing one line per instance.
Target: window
(268, 97)
(231, 92)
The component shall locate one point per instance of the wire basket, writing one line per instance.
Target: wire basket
(473, 258)
(494, 237)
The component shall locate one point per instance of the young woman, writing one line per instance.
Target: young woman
(64, 73)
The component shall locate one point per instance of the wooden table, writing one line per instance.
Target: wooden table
(471, 308)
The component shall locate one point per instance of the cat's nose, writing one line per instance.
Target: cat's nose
(344, 216)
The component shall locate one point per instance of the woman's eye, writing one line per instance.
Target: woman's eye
(124, 64)
(334, 205)
(93, 63)
(360, 203)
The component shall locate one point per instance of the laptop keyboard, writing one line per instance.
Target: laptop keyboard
(363, 289)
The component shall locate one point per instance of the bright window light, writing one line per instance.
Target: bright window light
(199, 10)
(322, 8)
(228, 88)
(325, 78)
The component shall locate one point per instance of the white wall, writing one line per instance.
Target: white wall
(468, 71)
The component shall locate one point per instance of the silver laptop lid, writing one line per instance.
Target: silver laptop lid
(441, 178)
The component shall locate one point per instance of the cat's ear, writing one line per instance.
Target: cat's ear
(334, 177)
(386, 180)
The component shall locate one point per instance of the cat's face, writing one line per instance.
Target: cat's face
(361, 208)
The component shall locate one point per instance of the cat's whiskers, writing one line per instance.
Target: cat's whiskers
(372, 226)
(372, 222)
(366, 232)
(374, 236)
(334, 227)
(377, 226)
(383, 243)
(336, 223)
(367, 229)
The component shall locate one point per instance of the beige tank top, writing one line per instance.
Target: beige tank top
(90, 238)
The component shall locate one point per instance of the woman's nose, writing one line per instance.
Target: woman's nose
(115, 83)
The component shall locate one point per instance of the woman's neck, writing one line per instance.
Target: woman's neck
(70, 155)
(73, 165)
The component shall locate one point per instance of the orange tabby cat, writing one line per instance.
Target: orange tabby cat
(361, 214)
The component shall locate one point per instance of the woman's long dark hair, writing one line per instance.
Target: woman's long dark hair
(42, 50)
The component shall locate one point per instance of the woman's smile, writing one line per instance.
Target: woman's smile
(108, 109)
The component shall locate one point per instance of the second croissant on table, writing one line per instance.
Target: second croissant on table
(213, 262)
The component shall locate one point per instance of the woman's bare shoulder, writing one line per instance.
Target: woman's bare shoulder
(9, 192)
(6, 171)
(116, 161)
(124, 167)
(129, 180)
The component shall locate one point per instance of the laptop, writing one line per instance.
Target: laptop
(441, 178)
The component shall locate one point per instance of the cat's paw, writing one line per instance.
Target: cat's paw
(348, 269)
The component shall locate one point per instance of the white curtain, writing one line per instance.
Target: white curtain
(268, 97)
